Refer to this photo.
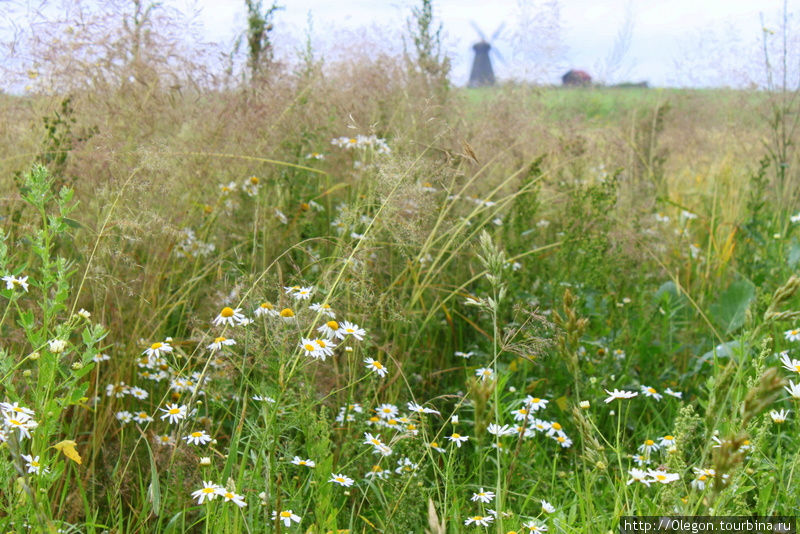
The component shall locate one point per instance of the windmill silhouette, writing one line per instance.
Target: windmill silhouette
(482, 73)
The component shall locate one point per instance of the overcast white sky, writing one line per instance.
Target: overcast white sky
(662, 29)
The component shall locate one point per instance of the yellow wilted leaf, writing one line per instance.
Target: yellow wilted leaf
(68, 448)
(562, 403)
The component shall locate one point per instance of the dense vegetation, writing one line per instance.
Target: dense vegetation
(356, 297)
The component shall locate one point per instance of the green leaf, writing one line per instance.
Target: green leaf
(154, 489)
(730, 309)
(794, 254)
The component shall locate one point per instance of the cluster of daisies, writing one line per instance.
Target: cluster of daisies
(374, 142)
(488, 516)
(793, 366)
(190, 245)
(20, 420)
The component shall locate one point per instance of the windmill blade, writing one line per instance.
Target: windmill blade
(477, 29)
(498, 55)
(499, 29)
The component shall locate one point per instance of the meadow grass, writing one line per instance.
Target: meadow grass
(500, 310)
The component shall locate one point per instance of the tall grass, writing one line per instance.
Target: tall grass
(513, 255)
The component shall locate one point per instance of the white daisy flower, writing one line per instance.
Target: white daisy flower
(174, 413)
(483, 496)
(229, 316)
(350, 329)
(479, 520)
(207, 493)
(287, 516)
(617, 394)
(304, 463)
(458, 439)
(376, 366)
(341, 479)
(220, 342)
(651, 392)
(484, 373)
(198, 438)
(12, 282)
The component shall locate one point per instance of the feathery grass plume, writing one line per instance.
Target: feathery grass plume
(592, 450)
(435, 525)
(571, 329)
(781, 296)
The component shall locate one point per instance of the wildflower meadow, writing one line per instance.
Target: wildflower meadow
(350, 296)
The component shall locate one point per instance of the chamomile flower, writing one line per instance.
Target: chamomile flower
(386, 411)
(483, 496)
(220, 342)
(230, 496)
(484, 373)
(229, 317)
(33, 465)
(12, 282)
(533, 526)
(458, 439)
(648, 446)
(311, 349)
(793, 389)
(20, 424)
(637, 475)
(157, 350)
(287, 516)
(640, 459)
(563, 440)
(208, 492)
(57, 346)
(350, 329)
(651, 392)
(704, 476)
(659, 475)
(329, 329)
(779, 416)
(100, 357)
(378, 472)
(142, 418)
(341, 479)
(547, 507)
(520, 414)
(304, 463)
(165, 439)
(497, 430)
(13, 409)
(535, 403)
(197, 438)
(479, 520)
(325, 347)
(465, 355)
(124, 417)
(324, 309)
(676, 394)
(667, 441)
(617, 394)
(174, 413)
(790, 364)
(792, 335)
(376, 366)
(138, 393)
(266, 309)
(417, 408)
(435, 446)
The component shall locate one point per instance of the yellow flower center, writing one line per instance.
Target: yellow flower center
(536, 400)
(14, 422)
(174, 411)
(304, 206)
(434, 444)
(196, 434)
(309, 347)
(560, 439)
(321, 343)
(661, 477)
(301, 462)
(333, 325)
(219, 339)
(209, 490)
(376, 469)
(702, 477)
(651, 390)
(377, 365)
(286, 514)
(455, 435)
(556, 426)
(34, 463)
(649, 442)
(156, 346)
(254, 180)
(226, 312)
(267, 305)
(143, 415)
(523, 411)
(228, 495)
(669, 438)
(287, 313)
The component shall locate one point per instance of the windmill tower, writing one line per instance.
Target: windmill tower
(482, 73)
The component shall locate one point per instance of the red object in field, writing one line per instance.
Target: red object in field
(576, 77)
